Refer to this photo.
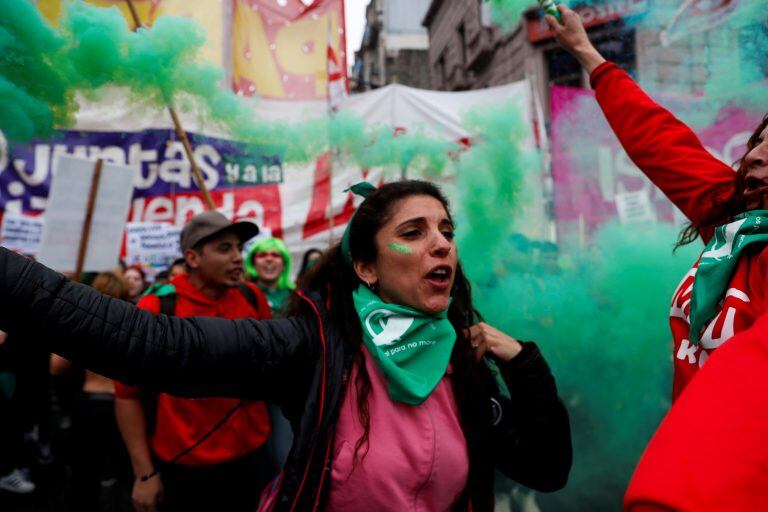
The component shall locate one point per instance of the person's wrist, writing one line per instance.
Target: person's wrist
(589, 58)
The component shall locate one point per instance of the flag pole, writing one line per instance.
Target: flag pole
(86, 232)
(180, 132)
(331, 113)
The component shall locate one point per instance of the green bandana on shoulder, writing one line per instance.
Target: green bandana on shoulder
(160, 290)
(718, 263)
(412, 349)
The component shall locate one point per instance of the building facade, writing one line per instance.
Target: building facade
(467, 50)
(394, 46)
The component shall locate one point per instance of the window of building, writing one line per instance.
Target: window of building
(462, 43)
(614, 41)
(441, 70)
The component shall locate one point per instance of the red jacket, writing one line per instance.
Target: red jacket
(710, 451)
(180, 421)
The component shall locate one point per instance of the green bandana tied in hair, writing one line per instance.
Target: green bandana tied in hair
(412, 349)
(718, 263)
(363, 189)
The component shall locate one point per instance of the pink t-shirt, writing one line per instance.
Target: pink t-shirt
(417, 460)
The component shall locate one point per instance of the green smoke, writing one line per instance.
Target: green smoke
(600, 316)
(490, 178)
(41, 69)
(599, 313)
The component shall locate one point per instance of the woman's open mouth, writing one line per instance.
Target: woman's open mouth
(440, 276)
(753, 196)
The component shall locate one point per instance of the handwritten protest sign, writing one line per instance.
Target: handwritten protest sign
(152, 243)
(21, 233)
(634, 207)
(66, 212)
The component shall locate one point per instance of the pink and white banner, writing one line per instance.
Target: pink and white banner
(594, 177)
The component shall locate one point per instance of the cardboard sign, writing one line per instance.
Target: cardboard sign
(635, 207)
(152, 243)
(66, 212)
(21, 233)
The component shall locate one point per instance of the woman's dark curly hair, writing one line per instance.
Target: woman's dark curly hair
(724, 210)
(336, 279)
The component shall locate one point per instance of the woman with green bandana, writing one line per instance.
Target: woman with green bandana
(399, 396)
(268, 266)
(710, 452)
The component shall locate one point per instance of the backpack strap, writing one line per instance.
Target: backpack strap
(168, 304)
(167, 297)
(249, 294)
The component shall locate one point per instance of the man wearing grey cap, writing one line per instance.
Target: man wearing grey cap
(178, 465)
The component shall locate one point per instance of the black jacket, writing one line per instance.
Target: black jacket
(298, 363)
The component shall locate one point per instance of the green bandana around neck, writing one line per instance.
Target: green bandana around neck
(718, 263)
(412, 349)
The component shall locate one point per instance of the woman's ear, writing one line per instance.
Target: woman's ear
(366, 272)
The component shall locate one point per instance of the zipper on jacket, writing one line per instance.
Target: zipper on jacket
(322, 407)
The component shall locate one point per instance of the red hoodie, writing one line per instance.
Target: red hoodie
(710, 451)
(180, 421)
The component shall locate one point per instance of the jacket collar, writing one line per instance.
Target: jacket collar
(191, 292)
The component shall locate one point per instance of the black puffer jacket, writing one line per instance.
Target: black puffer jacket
(298, 363)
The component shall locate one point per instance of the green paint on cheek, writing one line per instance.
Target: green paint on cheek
(401, 248)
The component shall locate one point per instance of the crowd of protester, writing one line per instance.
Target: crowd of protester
(71, 439)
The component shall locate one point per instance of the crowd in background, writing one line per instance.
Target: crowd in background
(62, 446)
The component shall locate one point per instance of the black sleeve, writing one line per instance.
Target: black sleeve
(531, 432)
(184, 356)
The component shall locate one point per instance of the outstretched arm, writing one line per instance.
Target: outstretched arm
(662, 146)
(188, 357)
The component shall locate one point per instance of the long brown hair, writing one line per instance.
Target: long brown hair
(724, 210)
(112, 284)
(337, 280)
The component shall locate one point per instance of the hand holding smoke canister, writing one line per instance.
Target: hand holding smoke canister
(551, 7)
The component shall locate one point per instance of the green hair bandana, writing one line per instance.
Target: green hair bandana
(362, 189)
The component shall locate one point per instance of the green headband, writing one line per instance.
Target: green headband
(362, 189)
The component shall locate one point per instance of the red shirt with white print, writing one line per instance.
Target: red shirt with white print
(709, 454)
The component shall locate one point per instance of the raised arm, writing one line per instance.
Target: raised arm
(662, 146)
(188, 357)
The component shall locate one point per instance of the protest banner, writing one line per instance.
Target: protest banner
(67, 210)
(590, 168)
(279, 49)
(290, 201)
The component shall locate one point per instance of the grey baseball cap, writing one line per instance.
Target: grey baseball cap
(212, 223)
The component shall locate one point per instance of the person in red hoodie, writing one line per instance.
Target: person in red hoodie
(710, 451)
(177, 464)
